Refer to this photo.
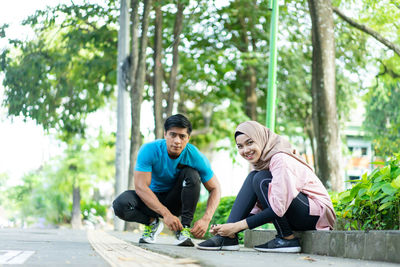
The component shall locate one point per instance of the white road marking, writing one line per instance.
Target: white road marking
(14, 256)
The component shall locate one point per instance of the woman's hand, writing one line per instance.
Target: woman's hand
(212, 229)
(229, 229)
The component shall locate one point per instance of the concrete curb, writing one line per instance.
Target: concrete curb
(371, 245)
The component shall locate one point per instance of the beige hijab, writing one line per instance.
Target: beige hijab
(270, 143)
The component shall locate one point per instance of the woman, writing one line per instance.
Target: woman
(283, 185)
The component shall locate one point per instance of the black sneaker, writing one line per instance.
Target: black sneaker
(219, 243)
(280, 245)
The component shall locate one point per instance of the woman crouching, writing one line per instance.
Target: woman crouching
(282, 189)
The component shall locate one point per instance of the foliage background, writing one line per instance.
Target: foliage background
(68, 71)
(373, 202)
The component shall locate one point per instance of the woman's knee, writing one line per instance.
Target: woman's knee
(261, 178)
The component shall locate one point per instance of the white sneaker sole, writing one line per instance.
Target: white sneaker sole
(226, 248)
(284, 250)
(149, 241)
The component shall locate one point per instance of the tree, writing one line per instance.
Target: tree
(138, 73)
(158, 73)
(165, 73)
(382, 118)
(392, 46)
(65, 73)
(381, 121)
(244, 36)
(46, 192)
(68, 70)
(325, 121)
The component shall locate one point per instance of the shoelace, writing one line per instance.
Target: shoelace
(147, 231)
(186, 232)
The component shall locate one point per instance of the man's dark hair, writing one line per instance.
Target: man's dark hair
(179, 121)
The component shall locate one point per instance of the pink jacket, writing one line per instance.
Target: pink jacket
(291, 177)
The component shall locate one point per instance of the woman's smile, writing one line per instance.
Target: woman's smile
(249, 155)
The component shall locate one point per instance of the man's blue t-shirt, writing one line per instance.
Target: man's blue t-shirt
(153, 157)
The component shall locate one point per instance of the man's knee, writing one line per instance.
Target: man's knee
(191, 177)
(124, 202)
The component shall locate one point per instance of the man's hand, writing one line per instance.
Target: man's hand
(199, 228)
(172, 222)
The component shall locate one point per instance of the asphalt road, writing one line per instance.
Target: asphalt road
(53, 247)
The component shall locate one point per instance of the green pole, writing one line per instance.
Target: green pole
(271, 98)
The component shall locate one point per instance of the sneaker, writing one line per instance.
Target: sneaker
(280, 245)
(183, 238)
(220, 243)
(151, 232)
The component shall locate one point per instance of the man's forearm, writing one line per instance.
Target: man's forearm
(212, 203)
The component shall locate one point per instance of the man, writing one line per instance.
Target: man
(167, 175)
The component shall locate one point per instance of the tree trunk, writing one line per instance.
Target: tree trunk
(157, 80)
(249, 73)
(76, 222)
(137, 85)
(325, 120)
(172, 83)
(121, 153)
(137, 77)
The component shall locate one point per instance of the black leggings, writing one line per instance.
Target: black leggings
(181, 200)
(254, 188)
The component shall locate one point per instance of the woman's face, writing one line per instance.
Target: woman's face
(248, 149)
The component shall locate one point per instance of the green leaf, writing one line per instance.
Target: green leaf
(385, 171)
(379, 178)
(364, 197)
(377, 186)
(378, 163)
(354, 190)
(364, 177)
(396, 183)
(345, 197)
(377, 197)
(388, 189)
(354, 225)
(388, 199)
(385, 205)
(362, 192)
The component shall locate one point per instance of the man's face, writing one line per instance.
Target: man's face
(177, 139)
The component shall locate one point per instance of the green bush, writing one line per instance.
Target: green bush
(373, 203)
(93, 208)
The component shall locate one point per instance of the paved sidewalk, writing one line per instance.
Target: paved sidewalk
(123, 254)
(244, 257)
